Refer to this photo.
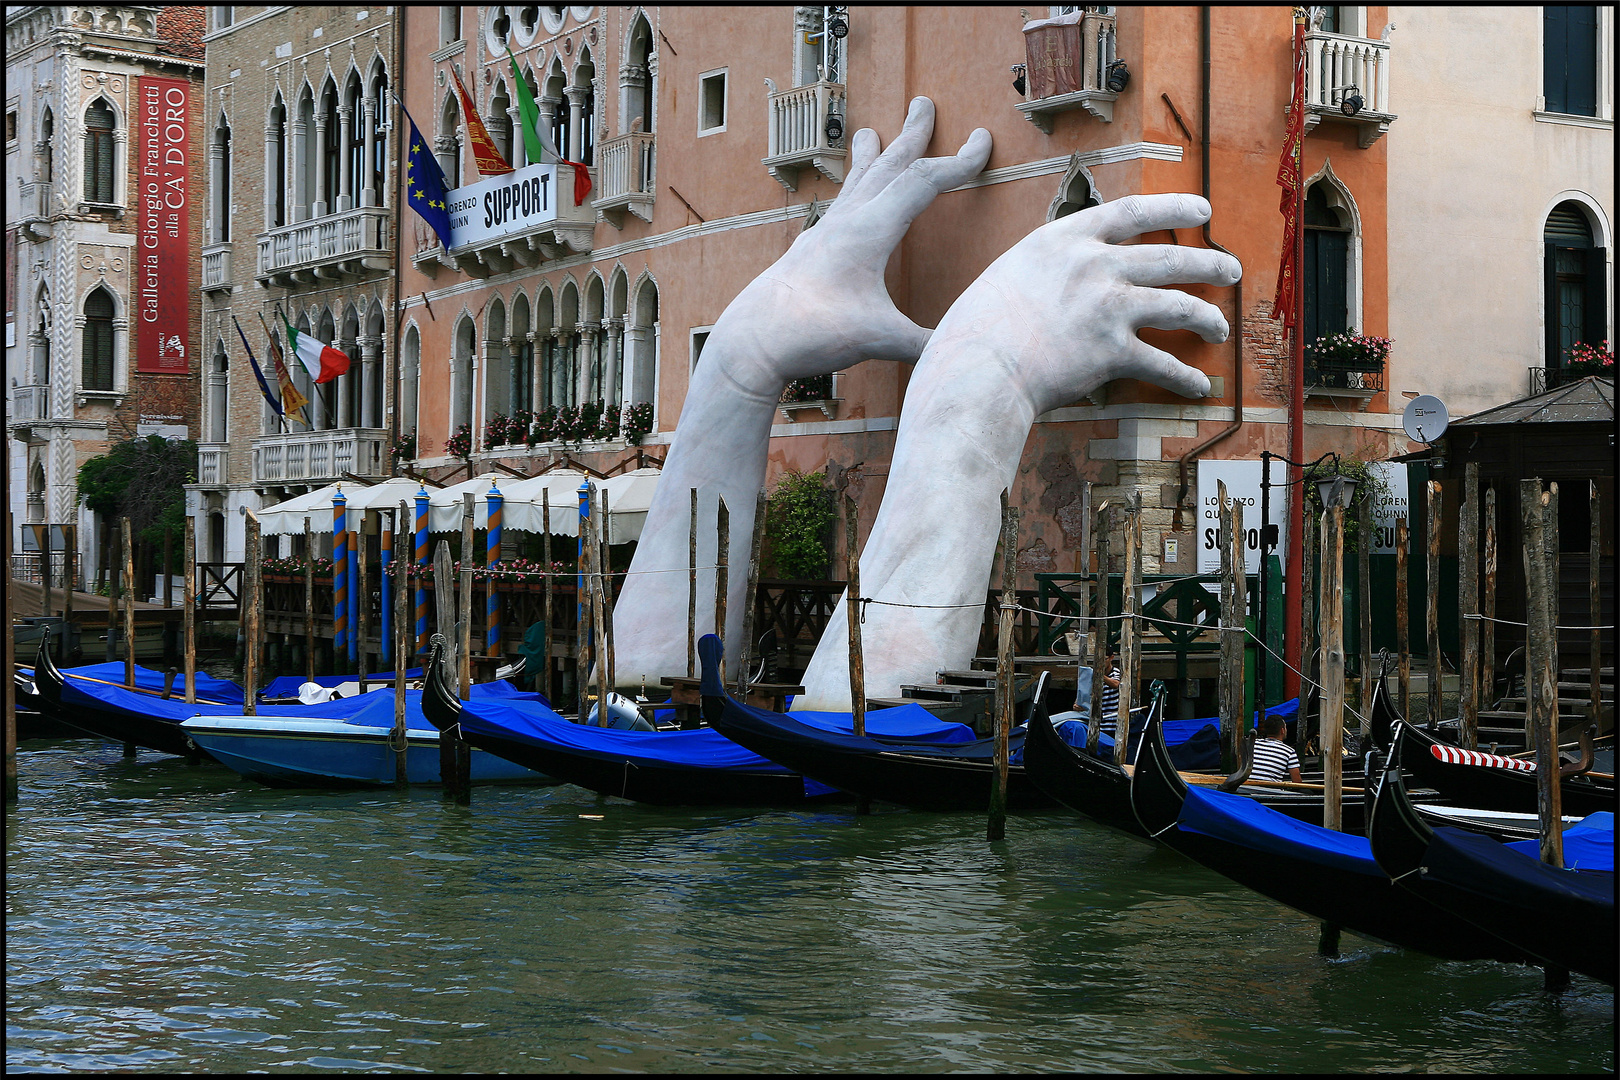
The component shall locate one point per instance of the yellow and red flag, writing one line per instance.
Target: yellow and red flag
(1290, 180)
(485, 155)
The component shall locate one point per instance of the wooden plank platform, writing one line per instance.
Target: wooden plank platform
(89, 610)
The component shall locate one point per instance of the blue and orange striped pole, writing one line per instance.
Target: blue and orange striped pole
(386, 556)
(340, 580)
(421, 561)
(492, 557)
(580, 625)
(353, 637)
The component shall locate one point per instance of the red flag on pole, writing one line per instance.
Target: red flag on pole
(485, 155)
(1289, 179)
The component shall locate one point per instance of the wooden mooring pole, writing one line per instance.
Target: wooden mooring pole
(551, 586)
(1468, 602)
(745, 651)
(599, 608)
(1234, 724)
(722, 570)
(1403, 617)
(605, 565)
(1594, 603)
(129, 603)
(309, 602)
(403, 633)
(1332, 722)
(1099, 628)
(252, 598)
(852, 614)
(996, 828)
(361, 601)
(189, 598)
(1539, 514)
(1431, 604)
(1130, 632)
(1487, 604)
(1367, 537)
(444, 606)
(1307, 628)
(463, 785)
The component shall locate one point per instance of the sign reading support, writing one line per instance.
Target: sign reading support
(502, 205)
(164, 283)
(1242, 479)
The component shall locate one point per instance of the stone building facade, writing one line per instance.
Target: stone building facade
(102, 113)
(302, 150)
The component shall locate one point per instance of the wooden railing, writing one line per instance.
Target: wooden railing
(219, 587)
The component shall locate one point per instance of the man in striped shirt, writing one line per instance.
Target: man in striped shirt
(1110, 695)
(1274, 759)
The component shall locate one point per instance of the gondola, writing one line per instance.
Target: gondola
(665, 768)
(1325, 874)
(1482, 781)
(921, 774)
(1564, 918)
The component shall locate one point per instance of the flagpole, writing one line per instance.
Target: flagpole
(1293, 589)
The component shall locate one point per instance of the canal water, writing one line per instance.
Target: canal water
(167, 917)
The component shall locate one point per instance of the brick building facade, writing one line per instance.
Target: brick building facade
(103, 158)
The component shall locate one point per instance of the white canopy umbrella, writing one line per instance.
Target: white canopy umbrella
(628, 497)
(387, 495)
(444, 505)
(288, 517)
(526, 498)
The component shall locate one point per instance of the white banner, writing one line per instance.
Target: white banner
(1242, 480)
(1389, 507)
(503, 205)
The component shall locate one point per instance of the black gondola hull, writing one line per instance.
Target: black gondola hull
(1486, 788)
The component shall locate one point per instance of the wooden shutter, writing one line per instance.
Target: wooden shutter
(1596, 320)
(1549, 272)
(97, 356)
(1581, 62)
(98, 154)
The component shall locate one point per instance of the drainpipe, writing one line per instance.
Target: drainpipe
(1237, 290)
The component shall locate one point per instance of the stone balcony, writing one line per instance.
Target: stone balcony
(216, 268)
(320, 457)
(1091, 49)
(1338, 66)
(796, 126)
(559, 230)
(627, 170)
(30, 403)
(349, 244)
(213, 464)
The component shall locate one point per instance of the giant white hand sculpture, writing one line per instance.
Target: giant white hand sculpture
(1049, 321)
(819, 308)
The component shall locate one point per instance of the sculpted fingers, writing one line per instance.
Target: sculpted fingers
(893, 209)
(1137, 214)
(1168, 264)
(863, 150)
(907, 147)
(1172, 309)
(1143, 361)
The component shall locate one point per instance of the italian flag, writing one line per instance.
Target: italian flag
(323, 362)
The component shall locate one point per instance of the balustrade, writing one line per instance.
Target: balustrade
(309, 456)
(349, 243)
(1337, 65)
(626, 170)
(213, 460)
(796, 128)
(216, 267)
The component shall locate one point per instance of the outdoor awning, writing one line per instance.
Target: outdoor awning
(386, 496)
(628, 497)
(444, 505)
(288, 517)
(526, 498)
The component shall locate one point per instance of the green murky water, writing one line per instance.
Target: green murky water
(165, 917)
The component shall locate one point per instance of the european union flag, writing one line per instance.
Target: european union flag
(424, 186)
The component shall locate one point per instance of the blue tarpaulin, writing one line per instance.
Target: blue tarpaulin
(1588, 845)
(1245, 822)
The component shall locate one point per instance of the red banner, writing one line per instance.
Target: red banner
(1289, 179)
(163, 275)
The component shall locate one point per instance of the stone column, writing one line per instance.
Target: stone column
(216, 178)
(535, 368)
(587, 360)
(121, 166)
(613, 377)
(320, 166)
(557, 370)
(297, 193)
(520, 149)
(345, 199)
(638, 359)
(576, 122)
(370, 398)
(370, 108)
(347, 403)
(548, 112)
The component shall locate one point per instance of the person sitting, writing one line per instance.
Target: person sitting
(1274, 759)
(1109, 705)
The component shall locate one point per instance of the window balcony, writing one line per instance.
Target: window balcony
(797, 127)
(30, 403)
(319, 457)
(1067, 60)
(1357, 384)
(570, 231)
(627, 171)
(213, 462)
(1337, 66)
(216, 268)
(348, 244)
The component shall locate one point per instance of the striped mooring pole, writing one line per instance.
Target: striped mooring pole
(340, 578)
(579, 574)
(352, 639)
(421, 558)
(492, 556)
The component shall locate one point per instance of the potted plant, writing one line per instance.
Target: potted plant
(1348, 351)
(460, 444)
(1581, 360)
(638, 422)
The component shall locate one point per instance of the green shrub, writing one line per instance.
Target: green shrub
(797, 518)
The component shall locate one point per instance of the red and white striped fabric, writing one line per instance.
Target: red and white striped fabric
(1456, 755)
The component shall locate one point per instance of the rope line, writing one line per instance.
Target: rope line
(1511, 622)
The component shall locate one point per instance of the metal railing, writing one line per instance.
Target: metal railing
(213, 460)
(1337, 377)
(625, 167)
(319, 455)
(1335, 61)
(1543, 379)
(347, 235)
(798, 119)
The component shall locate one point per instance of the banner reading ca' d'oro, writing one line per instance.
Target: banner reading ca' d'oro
(163, 276)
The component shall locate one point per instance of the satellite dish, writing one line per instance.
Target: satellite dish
(1425, 419)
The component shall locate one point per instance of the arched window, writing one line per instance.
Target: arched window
(275, 164)
(448, 145)
(1327, 265)
(557, 101)
(1575, 269)
(500, 124)
(304, 154)
(222, 182)
(377, 169)
(585, 86)
(522, 355)
(99, 151)
(330, 166)
(1077, 192)
(497, 371)
(219, 367)
(641, 343)
(98, 341)
(410, 376)
(637, 79)
(461, 389)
